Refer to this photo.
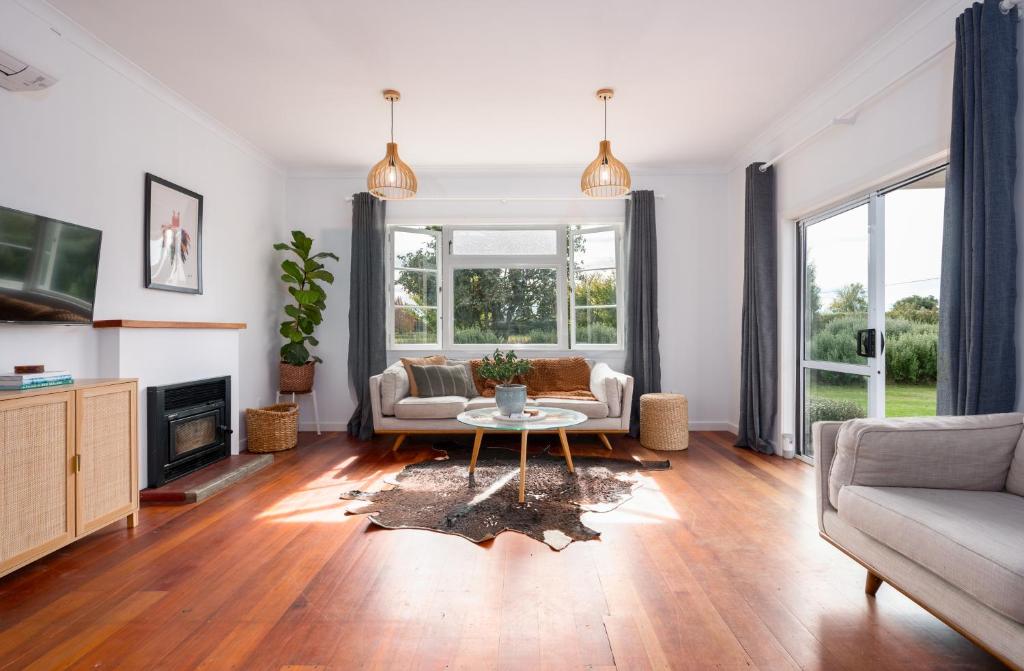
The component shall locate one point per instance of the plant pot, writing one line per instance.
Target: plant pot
(296, 379)
(510, 398)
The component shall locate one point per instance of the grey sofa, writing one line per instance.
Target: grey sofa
(396, 412)
(935, 508)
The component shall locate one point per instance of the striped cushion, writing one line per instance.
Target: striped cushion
(443, 381)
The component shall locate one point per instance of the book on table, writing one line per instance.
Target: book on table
(33, 380)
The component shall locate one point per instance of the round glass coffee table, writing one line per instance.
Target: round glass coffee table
(554, 419)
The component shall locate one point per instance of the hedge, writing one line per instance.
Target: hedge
(911, 350)
(831, 410)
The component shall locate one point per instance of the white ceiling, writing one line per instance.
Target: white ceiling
(487, 83)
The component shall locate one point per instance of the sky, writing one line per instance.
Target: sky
(913, 246)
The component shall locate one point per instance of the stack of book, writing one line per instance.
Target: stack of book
(34, 380)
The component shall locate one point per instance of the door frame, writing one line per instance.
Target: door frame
(873, 370)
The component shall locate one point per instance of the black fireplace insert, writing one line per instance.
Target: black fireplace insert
(189, 426)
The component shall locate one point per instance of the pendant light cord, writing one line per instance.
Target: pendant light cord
(606, 118)
(392, 101)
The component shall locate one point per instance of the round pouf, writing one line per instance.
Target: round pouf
(664, 422)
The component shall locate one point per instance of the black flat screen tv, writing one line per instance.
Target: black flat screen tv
(47, 269)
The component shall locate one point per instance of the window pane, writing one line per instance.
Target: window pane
(413, 287)
(505, 305)
(913, 256)
(505, 243)
(596, 326)
(415, 250)
(594, 250)
(415, 326)
(832, 397)
(595, 287)
(836, 291)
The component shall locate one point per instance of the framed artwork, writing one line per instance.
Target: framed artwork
(173, 237)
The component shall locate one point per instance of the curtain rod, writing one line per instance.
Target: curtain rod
(510, 199)
(849, 117)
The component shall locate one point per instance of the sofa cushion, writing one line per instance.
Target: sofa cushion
(592, 409)
(973, 540)
(409, 362)
(1015, 478)
(605, 385)
(934, 452)
(394, 386)
(433, 381)
(435, 407)
(488, 402)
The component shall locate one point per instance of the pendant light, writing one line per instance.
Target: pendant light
(391, 178)
(606, 176)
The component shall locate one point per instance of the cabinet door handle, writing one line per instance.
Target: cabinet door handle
(76, 463)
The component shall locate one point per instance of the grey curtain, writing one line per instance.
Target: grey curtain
(977, 356)
(759, 354)
(643, 359)
(367, 344)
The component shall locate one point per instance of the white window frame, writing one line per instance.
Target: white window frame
(561, 262)
(554, 262)
(393, 270)
(619, 340)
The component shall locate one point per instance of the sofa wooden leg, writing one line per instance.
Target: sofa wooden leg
(398, 443)
(604, 440)
(872, 583)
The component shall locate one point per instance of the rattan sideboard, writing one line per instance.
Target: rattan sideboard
(69, 465)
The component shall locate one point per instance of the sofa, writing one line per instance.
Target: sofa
(397, 413)
(935, 508)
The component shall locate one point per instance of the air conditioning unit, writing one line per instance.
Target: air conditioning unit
(18, 76)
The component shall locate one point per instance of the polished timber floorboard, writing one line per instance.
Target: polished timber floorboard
(717, 564)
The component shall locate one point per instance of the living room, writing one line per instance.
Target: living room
(458, 335)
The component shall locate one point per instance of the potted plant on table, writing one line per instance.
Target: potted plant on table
(503, 368)
(304, 276)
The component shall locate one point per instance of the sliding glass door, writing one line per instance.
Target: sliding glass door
(869, 270)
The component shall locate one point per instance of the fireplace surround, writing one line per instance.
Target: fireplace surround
(188, 427)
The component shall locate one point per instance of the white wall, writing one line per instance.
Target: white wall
(698, 269)
(898, 134)
(78, 152)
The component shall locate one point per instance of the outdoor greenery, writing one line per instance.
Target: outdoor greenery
(501, 305)
(911, 352)
(503, 367)
(304, 278)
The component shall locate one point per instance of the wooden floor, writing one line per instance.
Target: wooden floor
(716, 564)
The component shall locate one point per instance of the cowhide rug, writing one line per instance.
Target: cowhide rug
(439, 495)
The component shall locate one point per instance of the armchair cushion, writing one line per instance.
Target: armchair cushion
(973, 540)
(966, 453)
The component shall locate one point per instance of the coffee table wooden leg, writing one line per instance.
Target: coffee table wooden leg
(522, 469)
(476, 450)
(565, 449)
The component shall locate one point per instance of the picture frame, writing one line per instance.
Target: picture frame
(172, 237)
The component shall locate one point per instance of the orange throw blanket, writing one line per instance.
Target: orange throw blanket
(548, 378)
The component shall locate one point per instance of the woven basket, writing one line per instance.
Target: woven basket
(274, 428)
(296, 379)
(664, 422)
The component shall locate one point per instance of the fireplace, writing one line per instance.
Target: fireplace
(189, 426)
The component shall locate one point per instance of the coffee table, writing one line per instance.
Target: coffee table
(555, 418)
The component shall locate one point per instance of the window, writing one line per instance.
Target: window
(415, 289)
(534, 286)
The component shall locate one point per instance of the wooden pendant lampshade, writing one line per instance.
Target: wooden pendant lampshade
(606, 176)
(391, 178)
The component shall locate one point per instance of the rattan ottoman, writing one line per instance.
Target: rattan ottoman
(664, 422)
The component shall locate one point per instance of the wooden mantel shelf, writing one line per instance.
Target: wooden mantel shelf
(143, 324)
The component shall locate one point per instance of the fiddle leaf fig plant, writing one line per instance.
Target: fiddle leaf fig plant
(305, 274)
(503, 367)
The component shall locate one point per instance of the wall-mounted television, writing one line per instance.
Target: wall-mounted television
(47, 269)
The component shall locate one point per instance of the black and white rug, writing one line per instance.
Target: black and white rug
(439, 495)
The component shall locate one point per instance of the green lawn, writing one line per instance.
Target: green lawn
(901, 400)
